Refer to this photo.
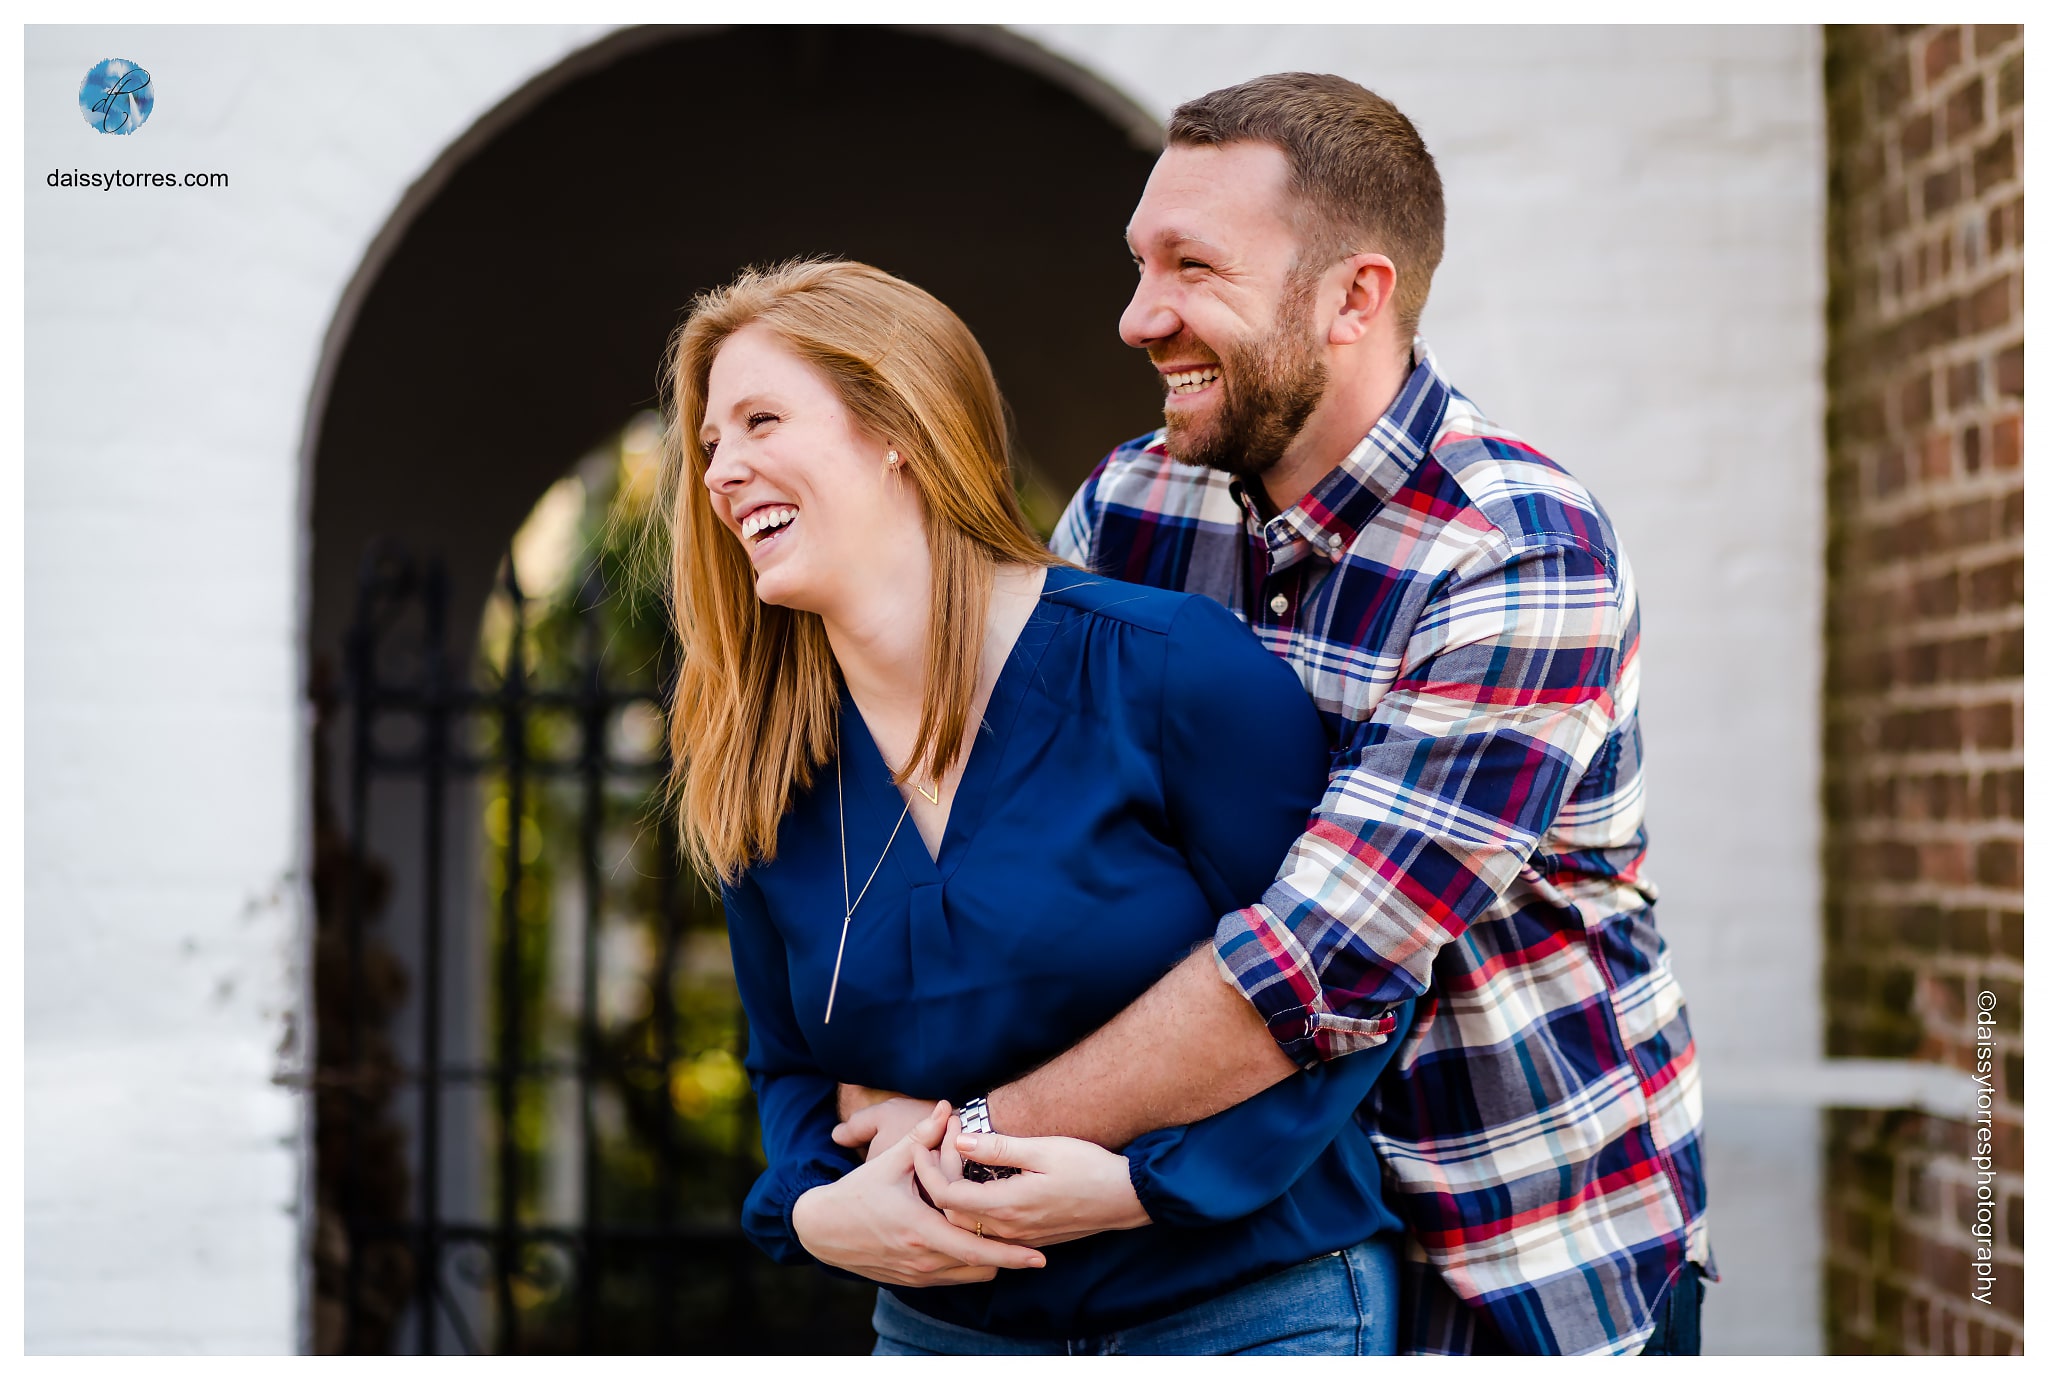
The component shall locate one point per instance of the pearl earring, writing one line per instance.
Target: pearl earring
(892, 458)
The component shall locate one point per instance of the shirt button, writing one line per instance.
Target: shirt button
(1279, 604)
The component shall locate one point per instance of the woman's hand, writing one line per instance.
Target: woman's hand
(873, 1223)
(1069, 1188)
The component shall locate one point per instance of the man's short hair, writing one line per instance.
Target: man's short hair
(1363, 179)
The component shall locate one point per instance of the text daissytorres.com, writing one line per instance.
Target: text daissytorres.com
(108, 181)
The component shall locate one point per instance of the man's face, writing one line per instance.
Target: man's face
(1222, 307)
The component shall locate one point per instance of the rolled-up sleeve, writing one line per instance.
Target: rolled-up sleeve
(1236, 1162)
(1436, 803)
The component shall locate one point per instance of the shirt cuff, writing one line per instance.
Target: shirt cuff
(1164, 1208)
(1263, 961)
(768, 1217)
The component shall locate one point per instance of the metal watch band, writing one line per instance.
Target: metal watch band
(974, 1122)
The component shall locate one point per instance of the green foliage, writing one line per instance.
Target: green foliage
(673, 1118)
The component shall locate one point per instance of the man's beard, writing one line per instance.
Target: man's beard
(1270, 389)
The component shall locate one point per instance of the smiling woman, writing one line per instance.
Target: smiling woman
(795, 393)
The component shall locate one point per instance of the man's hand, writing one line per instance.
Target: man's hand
(871, 1120)
(853, 1098)
(873, 1223)
(1070, 1188)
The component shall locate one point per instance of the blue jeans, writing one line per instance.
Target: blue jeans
(1341, 1304)
(1678, 1321)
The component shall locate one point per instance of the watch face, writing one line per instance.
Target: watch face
(982, 1173)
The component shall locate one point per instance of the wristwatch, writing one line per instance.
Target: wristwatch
(974, 1122)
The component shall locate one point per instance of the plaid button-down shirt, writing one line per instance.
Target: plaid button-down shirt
(1461, 611)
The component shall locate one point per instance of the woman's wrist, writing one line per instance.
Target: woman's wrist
(805, 1211)
(1135, 1214)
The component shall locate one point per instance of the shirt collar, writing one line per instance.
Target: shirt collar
(1328, 517)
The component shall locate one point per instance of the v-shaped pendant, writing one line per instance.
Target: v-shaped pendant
(932, 795)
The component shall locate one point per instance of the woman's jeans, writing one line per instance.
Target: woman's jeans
(1341, 1304)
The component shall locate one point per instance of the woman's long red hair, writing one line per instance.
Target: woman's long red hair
(756, 707)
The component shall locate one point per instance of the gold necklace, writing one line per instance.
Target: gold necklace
(845, 885)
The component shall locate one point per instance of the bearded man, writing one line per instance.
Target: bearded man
(1461, 611)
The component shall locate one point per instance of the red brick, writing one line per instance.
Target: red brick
(2006, 220)
(1986, 39)
(1964, 113)
(1936, 463)
(1892, 85)
(1968, 932)
(1916, 138)
(1991, 305)
(2008, 654)
(1987, 798)
(2011, 372)
(2008, 1139)
(1938, 596)
(2009, 79)
(1994, 163)
(1943, 999)
(1967, 659)
(1973, 449)
(1916, 401)
(1892, 213)
(2005, 443)
(1944, 50)
(1938, 729)
(1941, 190)
(1991, 727)
(1946, 863)
(1962, 384)
(2006, 1291)
(1995, 587)
(1966, 524)
(1890, 475)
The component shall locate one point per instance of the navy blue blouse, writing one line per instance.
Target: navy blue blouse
(1143, 767)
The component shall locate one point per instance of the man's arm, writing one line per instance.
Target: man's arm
(1509, 690)
(1121, 1082)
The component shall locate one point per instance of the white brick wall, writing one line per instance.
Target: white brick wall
(174, 336)
(1633, 282)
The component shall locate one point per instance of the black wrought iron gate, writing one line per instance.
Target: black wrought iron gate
(650, 1259)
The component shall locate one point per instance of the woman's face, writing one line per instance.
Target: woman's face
(811, 497)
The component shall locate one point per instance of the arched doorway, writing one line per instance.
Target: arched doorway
(515, 320)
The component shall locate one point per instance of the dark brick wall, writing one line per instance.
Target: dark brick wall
(1923, 674)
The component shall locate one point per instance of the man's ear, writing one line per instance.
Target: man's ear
(1368, 300)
